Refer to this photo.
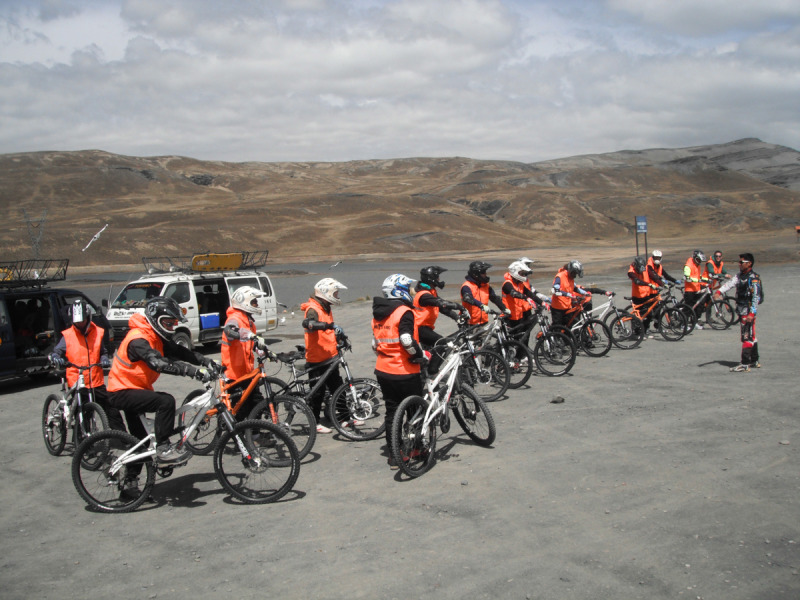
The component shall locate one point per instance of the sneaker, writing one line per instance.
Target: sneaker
(740, 369)
(322, 429)
(130, 491)
(170, 455)
(392, 464)
(757, 365)
(353, 423)
(698, 326)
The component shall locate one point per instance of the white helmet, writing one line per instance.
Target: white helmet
(519, 270)
(657, 256)
(328, 290)
(246, 299)
(528, 262)
(397, 286)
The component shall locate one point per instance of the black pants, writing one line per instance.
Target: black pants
(427, 339)
(333, 383)
(690, 298)
(523, 338)
(749, 342)
(395, 389)
(644, 301)
(245, 409)
(100, 396)
(135, 402)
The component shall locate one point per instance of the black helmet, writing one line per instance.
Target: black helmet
(430, 276)
(477, 271)
(698, 257)
(81, 314)
(163, 314)
(575, 268)
(639, 264)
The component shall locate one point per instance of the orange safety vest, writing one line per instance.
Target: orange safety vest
(659, 269)
(567, 286)
(695, 272)
(85, 350)
(392, 357)
(640, 291)
(481, 294)
(517, 306)
(320, 344)
(237, 355)
(425, 316)
(713, 269)
(125, 375)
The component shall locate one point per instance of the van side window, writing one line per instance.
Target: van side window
(179, 292)
(265, 287)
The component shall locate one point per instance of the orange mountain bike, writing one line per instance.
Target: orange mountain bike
(670, 321)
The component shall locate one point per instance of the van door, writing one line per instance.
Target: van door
(268, 319)
(182, 293)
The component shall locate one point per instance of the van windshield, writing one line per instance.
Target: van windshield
(135, 295)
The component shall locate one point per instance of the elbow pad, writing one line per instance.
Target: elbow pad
(407, 340)
(160, 364)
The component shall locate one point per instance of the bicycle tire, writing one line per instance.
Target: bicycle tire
(361, 418)
(274, 385)
(627, 331)
(721, 314)
(688, 314)
(54, 428)
(595, 339)
(413, 450)
(269, 471)
(520, 363)
(554, 354)
(92, 413)
(487, 373)
(205, 436)
(672, 324)
(292, 415)
(91, 475)
(473, 416)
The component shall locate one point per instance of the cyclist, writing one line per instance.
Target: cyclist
(749, 294)
(566, 291)
(476, 293)
(399, 354)
(241, 344)
(428, 305)
(321, 335)
(715, 269)
(642, 286)
(147, 351)
(694, 278)
(656, 271)
(520, 297)
(82, 344)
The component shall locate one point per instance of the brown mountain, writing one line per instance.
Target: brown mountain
(171, 205)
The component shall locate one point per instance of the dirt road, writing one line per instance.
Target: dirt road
(662, 475)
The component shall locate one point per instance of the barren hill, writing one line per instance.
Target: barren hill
(177, 205)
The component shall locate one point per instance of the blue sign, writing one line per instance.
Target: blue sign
(641, 224)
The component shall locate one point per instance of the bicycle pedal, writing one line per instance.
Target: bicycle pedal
(444, 423)
(165, 472)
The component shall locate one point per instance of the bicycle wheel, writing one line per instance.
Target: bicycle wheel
(413, 446)
(205, 436)
(270, 469)
(94, 420)
(54, 428)
(273, 385)
(358, 412)
(595, 339)
(627, 331)
(105, 484)
(473, 415)
(689, 316)
(721, 314)
(554, 353)
(487, 373)
(292, 415)
(672, 324)
(520, 363)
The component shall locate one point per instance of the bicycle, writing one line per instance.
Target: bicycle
(292, 414)
(414, 428)
(670, 321)
(355, 408)
(720, 313)
(591, 335)
(485, 371)
(255, 461)
(67, 411)
(496, 338)
(553, 352)
(627, 331)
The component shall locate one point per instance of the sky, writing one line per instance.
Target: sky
(332, 80)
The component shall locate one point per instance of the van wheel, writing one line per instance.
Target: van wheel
(182, 339)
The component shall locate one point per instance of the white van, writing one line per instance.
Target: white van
(202, 291)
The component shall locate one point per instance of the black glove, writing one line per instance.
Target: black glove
(204, 374)
(104, 362)
(58, 362)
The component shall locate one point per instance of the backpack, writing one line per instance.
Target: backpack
(761, 288)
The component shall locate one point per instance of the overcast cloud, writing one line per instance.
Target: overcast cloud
(326, 80)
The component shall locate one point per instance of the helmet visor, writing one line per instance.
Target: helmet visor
(168, 323)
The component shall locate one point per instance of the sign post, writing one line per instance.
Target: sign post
(641, 227)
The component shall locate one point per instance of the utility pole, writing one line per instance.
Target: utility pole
(35, 231)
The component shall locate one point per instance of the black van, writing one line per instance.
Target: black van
(32, 315)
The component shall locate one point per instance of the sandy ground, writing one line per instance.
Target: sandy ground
(662, 475)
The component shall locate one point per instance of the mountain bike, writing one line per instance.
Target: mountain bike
(553, 352)
(415, 424)
(486, 372)
(720, 313)
(292, 414)
(355, 408)
(255, 461)
(670, 321)
(590, 335)
(66, 411)
(627, 331)
(496, 338)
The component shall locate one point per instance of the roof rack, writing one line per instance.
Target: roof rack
(206, 262)
(32, 273)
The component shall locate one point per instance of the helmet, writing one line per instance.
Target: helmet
(430, 276)
(477, 271)
(698, 257)
(328, 290)
(246, 299)
(397, 286)
(575, 268)
(81, 314)
(657, 254)
(519, 270)
(528, 262)
(639, 264)
(163, 315)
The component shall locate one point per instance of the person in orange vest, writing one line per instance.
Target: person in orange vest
(241, 344)
(520, 297)
(396, 344)
(427, 306)
(82, 344)
(147, 351)
(642, 287)
(655, 269)
(566, 291)
(715, 269)
(476, 293)
(321, 337)
(694, 278)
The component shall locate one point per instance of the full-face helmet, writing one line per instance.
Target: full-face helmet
(397, 286)
(657, 256)
(528, 262)
(698, 257)
(477, 271)
(519, 270)
(163, 315)
(430, 276)
(575, 268)
(246, 299)
(328, 290)
(639, 264)
(81, 314)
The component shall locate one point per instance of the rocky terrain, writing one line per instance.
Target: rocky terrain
(171, 205)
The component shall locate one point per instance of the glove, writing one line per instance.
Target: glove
(748, 318)
(338, 330)
(203, 374)
(58, 362)
(260, 343)
(507, 311)
(104, 362)
(652, 286)
(485, 308)
(424, 359)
